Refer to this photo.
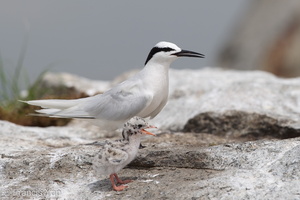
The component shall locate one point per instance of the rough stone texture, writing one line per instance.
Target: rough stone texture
(172, 166)
(228, 108)
(193, 92)
(240, 124)
(90, 87)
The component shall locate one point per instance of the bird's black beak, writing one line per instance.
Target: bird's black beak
(186, 53)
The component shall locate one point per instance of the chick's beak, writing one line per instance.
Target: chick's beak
(147, 132)
(187, 53)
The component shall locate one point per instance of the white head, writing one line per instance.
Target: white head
(136, 127)
(167, 52)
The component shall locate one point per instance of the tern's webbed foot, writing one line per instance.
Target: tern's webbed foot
(123, 182)
(115, 187)
(119, 188)
(120, 181)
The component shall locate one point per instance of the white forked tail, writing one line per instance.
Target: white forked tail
(60, 108)
(55, 103)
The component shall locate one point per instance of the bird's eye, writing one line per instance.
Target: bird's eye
(140, 125)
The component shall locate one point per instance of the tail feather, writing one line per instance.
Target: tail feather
(73, 112)
(48, 111)
(60, 116)
(60, 108)
(55, 103)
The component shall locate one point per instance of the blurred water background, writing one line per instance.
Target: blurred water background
(102, 39)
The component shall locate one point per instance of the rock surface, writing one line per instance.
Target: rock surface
(241, 124)
(213, 90)
(40, 165)
(220, 162)
(90, 87)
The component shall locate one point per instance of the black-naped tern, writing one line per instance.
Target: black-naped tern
(144, 95)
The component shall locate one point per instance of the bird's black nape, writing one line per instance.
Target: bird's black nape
(154, 50)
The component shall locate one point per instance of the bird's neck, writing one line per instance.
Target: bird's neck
(154, 71)
(157, 66)
(134, 141)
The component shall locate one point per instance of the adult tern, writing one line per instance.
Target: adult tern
(144, 95)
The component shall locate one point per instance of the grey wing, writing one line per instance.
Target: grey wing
(120, 103)
(117, 156)
(111, 156)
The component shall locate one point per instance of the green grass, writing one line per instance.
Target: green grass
(10, 94)
(11, 109)
(11, 91)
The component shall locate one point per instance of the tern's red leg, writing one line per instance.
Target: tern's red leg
(116, 188)
(120, 181)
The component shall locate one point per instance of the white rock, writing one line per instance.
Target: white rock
(216, 90)
(90, 87)
(53, 160)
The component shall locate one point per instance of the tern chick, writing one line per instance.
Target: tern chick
(115, 155)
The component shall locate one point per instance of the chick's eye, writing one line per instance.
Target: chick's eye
(140, 125)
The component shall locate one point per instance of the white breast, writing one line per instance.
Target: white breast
(156, 80)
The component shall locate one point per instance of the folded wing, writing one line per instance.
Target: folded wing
(120, 103)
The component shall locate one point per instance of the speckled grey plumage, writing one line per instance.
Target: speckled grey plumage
(115, 155)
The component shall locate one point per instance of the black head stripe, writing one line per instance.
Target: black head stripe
(154, 50)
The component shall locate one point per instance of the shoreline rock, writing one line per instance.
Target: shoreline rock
(263, 169)
(229, 109)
